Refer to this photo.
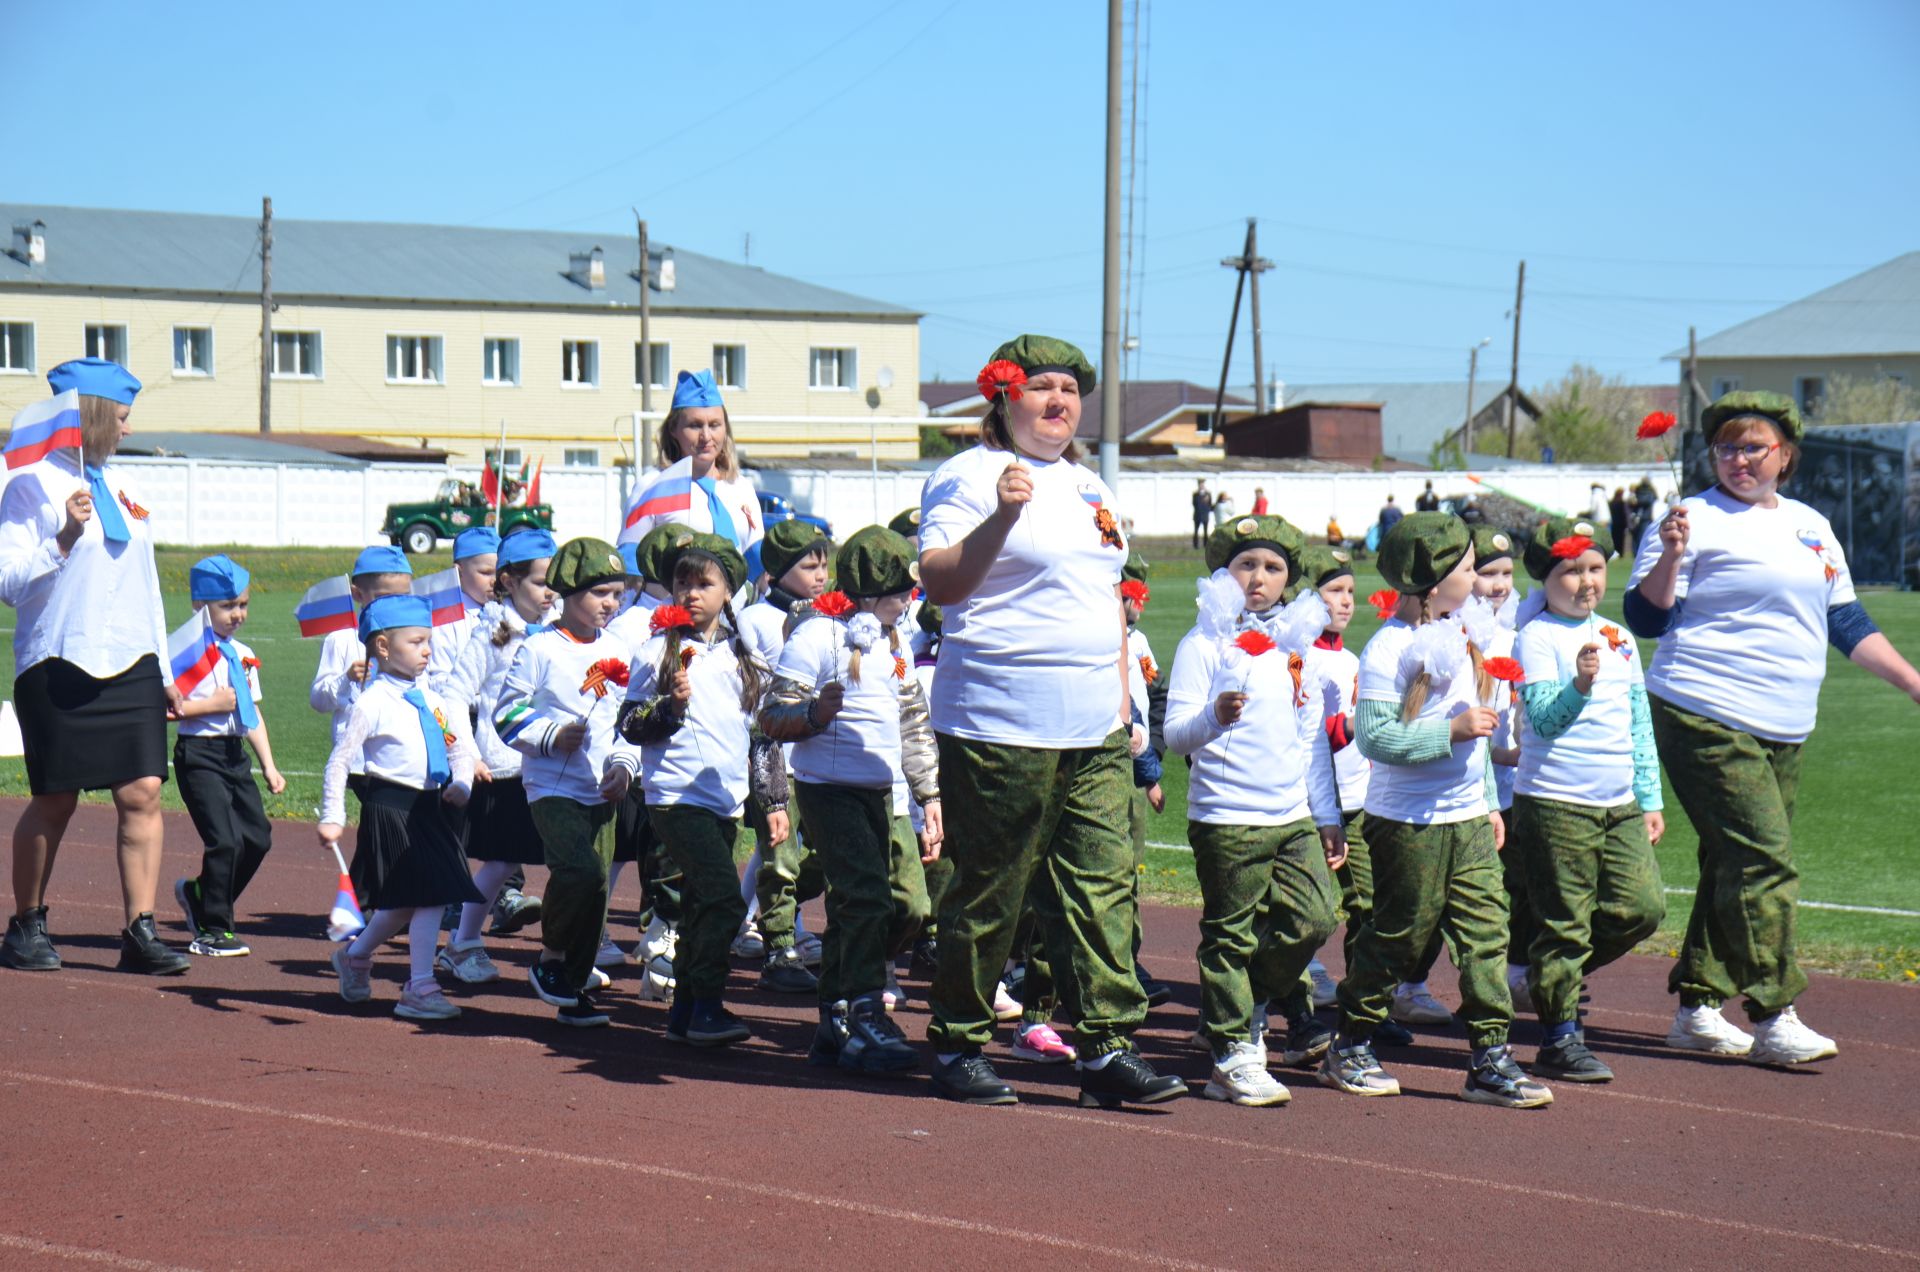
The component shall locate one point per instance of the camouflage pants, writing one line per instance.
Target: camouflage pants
(790, 876)
(578, 841)
(1356, 883)
(1039, 991)
(937, 875)
(1432, 880)
(1595, 885)
(874, 903)
(701, 844)
(1516, 876)
(634, 840)
(1014, 813)
(1738, 791)
(1267, 903)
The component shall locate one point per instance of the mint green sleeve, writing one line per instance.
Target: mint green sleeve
(1551, 706)
(1646, 758)
(1382, 738)
(1492, 786)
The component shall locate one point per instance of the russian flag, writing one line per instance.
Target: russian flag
(327, 607)
(671, 491)
(192, 653)
(344, 920)
(442, 594)
(43, 428)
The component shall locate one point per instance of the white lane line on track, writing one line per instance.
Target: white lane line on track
(754, 1187)
(79, 1254)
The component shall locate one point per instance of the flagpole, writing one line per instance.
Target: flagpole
(500, 469)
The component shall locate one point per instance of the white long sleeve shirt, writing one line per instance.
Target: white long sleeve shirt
(334, 691)
(225, 724)
(1337, 671)
(474, 682)
(386, 739)
(448, 640)
(704, 763)
(547, 688)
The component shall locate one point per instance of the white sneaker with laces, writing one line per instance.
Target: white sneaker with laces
(658, 939)
(1703, 1028)
(468, 964)
(1414, 1005)
(1325, 991)
(1785, 1039)
(1005, 1005)
(1240, 1077)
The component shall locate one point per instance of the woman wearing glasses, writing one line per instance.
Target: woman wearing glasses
(1745, 589)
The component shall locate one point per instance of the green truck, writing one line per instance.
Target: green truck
(417, 528)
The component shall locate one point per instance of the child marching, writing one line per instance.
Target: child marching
(476, 559)
(344, 667)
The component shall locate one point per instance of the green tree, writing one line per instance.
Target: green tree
(1590, 418)
(1866, 399)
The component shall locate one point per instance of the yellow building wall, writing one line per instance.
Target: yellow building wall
(460, 414)
(1782, 375)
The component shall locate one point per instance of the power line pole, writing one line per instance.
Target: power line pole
(266, 315)
(1513, 378)
(1110, 404)
(1250, 265)
(1256, 267)
(646, 348)
(1473, 372)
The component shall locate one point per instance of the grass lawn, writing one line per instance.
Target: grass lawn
(1857, 793)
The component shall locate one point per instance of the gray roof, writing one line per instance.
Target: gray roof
(231, 446)
(1412, 416)
(1147, 404)
(368, 260)
(1875, 313)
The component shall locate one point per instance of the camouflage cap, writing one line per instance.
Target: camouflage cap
(650, 554)
(875, 561)
(1034, 354)
(787, 543)
(906, 522)
(584, 563)
(1539, 558)
(1135, 568)
(1231, 538)
(689, 542)
(1490, 543)
(1771, 406)
(1321, 566)
(1421, 549)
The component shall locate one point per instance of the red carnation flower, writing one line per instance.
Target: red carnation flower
(608, 671)
(1655, 424)
(1570, 547)
(833, 605)
(1507, 669)
(1136, 591)
(667, 617)
(1384, 602)
(1000, 377)
(1254, 643)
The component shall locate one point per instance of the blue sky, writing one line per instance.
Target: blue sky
(1656, 164)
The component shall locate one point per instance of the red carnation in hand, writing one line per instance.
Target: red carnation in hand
(1384, 602)
(1136, 591)
(1570, 547)
(668, 617)
(608, 671)
(833, 605)
(1000, 377)
(1254, 643)
(1507, 669)
(1655, 424)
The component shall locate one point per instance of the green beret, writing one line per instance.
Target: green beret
(1231, 538)
(650, 554)
(584, 563)
(876, 561)
(689, 542)
(787, 543)
(1034, 354)
(1421, 549)
(1539, 559)
(1320, 566)
(1135, 568)
(929, 618)
(906, 522)
(1490, 544)
(1773, 406)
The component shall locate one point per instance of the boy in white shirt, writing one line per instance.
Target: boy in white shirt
(381, 570)
(476, 557)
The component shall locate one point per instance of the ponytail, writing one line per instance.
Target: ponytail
(1415, 699)
(750, 686)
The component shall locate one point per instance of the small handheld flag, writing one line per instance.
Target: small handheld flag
(345, 920)
(192, 652)
(43, 428)
(441, 592)
(327, 607)
(671, 491)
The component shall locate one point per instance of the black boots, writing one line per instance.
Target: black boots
(27, 946)
(141, 950)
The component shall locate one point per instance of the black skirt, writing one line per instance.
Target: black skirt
(500, 826)
(407, 853)
(82, 734)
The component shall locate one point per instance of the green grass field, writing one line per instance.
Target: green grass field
(1859, 788)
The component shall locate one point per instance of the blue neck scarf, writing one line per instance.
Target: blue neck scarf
(106, 507)
(439, 772)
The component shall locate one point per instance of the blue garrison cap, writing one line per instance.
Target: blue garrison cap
(526, 545)
(96, 377)
(754, 568)
(380, 559)
(218, 578)
(476, 542)
(694, 388)
(630, 557)
(384, 613)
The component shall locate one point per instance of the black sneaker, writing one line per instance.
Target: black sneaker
(874, 1044)
(582, 1014)
(218, 945)
(1391, 1033)
(712, 1025)
(1496, 1078)
(785, 973)
(926, 958)
(1569, 1060)
(830, 1036)
(1349, 1066)
(513, 910)
(1158, 992)
(1127, 1079)
(186, 894)
(143, 951)
(679, 1017)
(27, 947)
(1308, 1038)
(450, 917)
(550, 983)
(970, 1079)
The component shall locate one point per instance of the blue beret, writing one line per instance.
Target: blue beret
(95, 377)
(476, 542)
(218, 578)
(696, 388)
(525, 545)
(754, 568)
(630, 557)
(385, 613)
(380, 559)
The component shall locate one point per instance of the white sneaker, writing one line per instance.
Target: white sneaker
(597, 979)
(656, 980)
(749, 944)
(1005, 1005)
(1785, 1040)
(1705, 1029)
(1240, 1077)
(658, 939)
(609, 955)
(809, 947)
(1414, 1005)
(468, 964)
(425, 1003)
(356, 983)
(1325, 991)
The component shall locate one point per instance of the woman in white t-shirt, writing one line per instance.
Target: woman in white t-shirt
(1022, 548)
(1745, 589)
(700, 482)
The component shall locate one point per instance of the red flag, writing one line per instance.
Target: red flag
(490, 484)
(533, 490)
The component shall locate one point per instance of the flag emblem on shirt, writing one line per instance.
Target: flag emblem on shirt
(1819, 549)
(43, 428)
(192, 653)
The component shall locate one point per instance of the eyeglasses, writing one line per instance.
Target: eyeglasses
(1752, 452)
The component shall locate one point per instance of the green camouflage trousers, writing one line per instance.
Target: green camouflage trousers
(937, 874)
(1267, 903)
(634, 840)
(1595, 885)
(1427, 880)
(876, 902)
(1014, 813)
(701, 844)
(789, 878)
(1355, 877)
(578, 841)
(1516, 876)
(1738, 791)
(1039, 992)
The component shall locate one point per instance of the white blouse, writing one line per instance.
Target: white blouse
(225, 724)
(384, 734)
(477, 676)
(737, 495)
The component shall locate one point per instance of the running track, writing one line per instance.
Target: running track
(243, 1116)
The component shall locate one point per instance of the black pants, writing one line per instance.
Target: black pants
(1201, 527)
(216, 782)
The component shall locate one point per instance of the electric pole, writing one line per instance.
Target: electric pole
(1110, 405)
(646, 349)
(266, 315)
(1513, 377)
(1250, 265)
(1256, 267)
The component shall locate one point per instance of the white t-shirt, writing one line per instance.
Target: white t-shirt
(225, 724)
(764, 627)
(1507, 735)
(704, 763)
(1750, 646)
(1337, 672)
(1139, 662)
(1592, 762)
(548, 686)
(1032, 657)
(1452, 789)
(862, 746)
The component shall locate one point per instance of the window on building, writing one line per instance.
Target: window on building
(580, 457)
(1725, 384)
(107, 341)
(296, 354)
(500, 361)
(730, 366)
(508, 458)
(193, 350)
(832, 369)
(414, 360)
(580, 363)
(16, 348)
(656, 362)
(1808, 391)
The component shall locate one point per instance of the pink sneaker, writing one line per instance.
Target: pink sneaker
(1042, 1044)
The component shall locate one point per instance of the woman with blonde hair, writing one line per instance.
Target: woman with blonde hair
(700, 484)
